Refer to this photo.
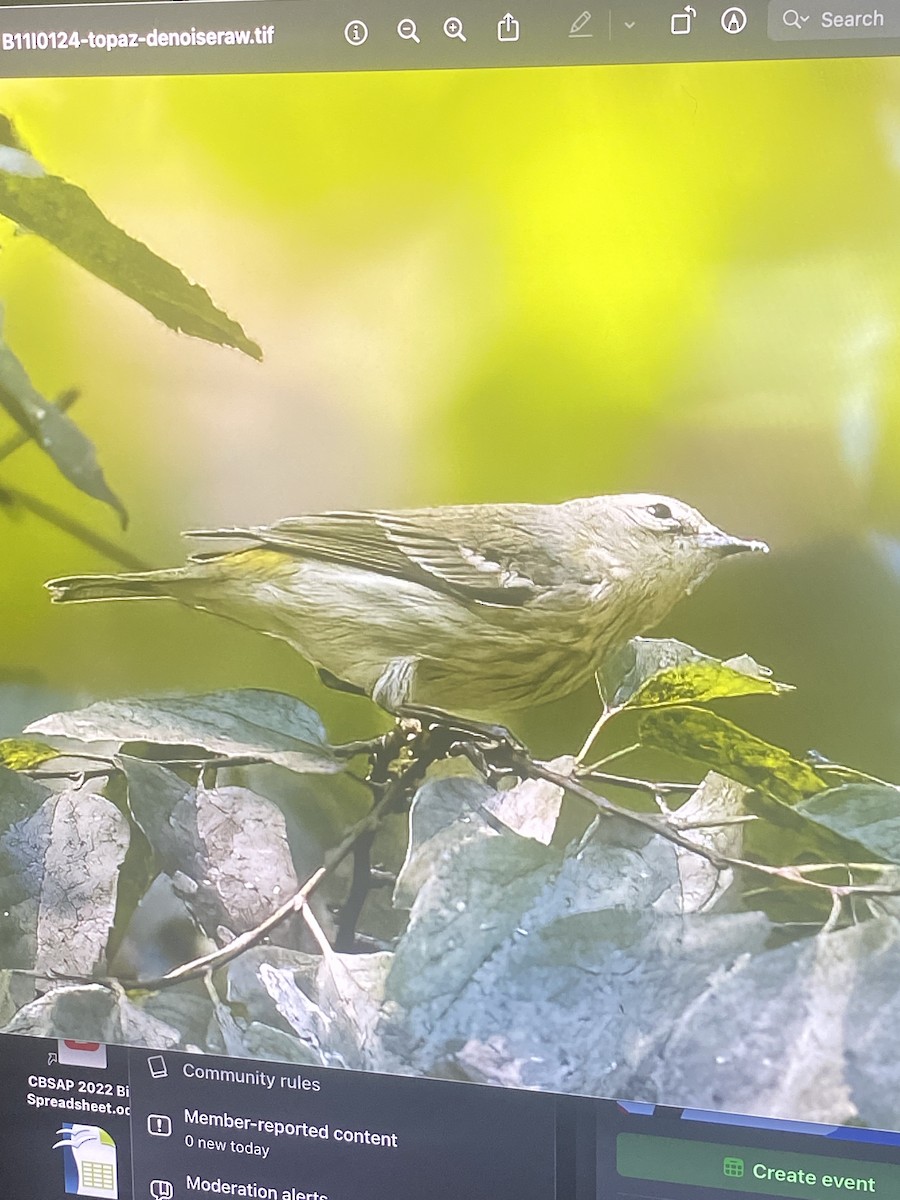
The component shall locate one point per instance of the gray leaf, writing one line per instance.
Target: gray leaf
(54, 431)
(247, 722)
(60, 868)
(228, 842)
(702, 886)
(798, 1031)
(869, 813)
(531, 807)
(94, 1013)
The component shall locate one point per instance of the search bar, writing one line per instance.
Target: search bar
(824, 21)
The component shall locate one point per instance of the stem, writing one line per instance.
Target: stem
(361, 885)
(606, 715)
(23, 437)
(74, 528)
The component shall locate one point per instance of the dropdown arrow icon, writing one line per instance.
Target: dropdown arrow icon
(629, 24)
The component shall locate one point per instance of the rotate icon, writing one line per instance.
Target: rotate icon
(683, 22)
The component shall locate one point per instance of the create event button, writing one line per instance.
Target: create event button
(754, 1171)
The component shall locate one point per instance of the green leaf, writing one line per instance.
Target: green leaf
(9, 135)
(21, 754)
(723, 746)
(868, 813)
(248, 722)
(662, 672)
(55, 432)
(66, 217)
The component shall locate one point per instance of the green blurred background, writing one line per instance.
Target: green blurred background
(489, 285)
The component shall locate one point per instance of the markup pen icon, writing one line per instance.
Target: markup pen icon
(89, 1161)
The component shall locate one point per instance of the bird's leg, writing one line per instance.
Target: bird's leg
(338, 685)
(480, 731)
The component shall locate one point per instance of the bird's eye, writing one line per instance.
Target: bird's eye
(662, 512)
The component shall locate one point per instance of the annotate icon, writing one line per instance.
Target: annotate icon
(734, 20)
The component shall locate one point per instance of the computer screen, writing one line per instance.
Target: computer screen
(496, 415)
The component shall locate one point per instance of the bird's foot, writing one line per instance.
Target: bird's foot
(462, 728)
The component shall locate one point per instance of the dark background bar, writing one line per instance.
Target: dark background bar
(321, 35)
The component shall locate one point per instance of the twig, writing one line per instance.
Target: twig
(654, 824)
(360, 886)
(608, 758)
(223, 955)
(607, 715)
(641, 785)
(24, 436)
(73, 527)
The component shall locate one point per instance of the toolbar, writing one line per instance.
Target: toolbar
(246, 36)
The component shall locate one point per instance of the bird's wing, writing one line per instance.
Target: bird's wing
(435, 547)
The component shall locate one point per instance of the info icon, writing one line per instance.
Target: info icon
(356, 32)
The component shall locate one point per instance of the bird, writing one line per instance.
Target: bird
(469, 609)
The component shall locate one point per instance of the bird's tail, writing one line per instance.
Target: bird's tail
(140, 585)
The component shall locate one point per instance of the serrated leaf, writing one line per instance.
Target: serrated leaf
(21, 754)
(662, 672)
(60, 855)
(66, 217)
(526, 966)
(54, 431)
(701, 885)
(867, 813)
(247, 722)
(531, 807)
(228, 843)
(95, 1013)
(797, 1030)
(705, 737)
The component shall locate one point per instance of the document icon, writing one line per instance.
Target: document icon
(89, 1159)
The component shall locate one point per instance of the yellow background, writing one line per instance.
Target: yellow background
(526, 284)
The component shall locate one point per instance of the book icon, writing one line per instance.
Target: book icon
(89, 1161)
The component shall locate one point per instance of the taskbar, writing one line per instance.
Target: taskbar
(85, 1118)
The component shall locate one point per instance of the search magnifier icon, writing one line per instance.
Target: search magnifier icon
(791, 18)
(407, 30)
(453, 27)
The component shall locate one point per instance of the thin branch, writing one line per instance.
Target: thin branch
(360, 886)
(641, 785)
(606, 715)
(608, 758)
(655, 824)
(24, 436)
(10, 497)
(720, 823)
(296, 904)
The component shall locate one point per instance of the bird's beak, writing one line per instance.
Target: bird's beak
(725, 545)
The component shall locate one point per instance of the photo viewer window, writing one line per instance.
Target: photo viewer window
(498, 413)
